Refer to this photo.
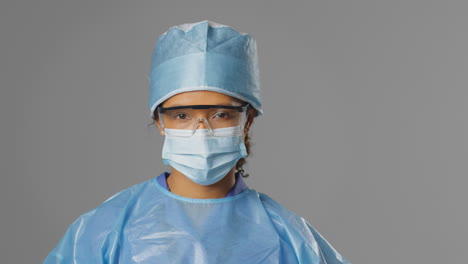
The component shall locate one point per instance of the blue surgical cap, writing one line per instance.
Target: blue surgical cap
(205, 56)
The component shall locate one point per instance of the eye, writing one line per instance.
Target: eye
(181, 116)
(222, 115)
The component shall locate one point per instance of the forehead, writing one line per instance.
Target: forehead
(201, 98)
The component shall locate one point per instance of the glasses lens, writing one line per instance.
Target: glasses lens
(191, 119)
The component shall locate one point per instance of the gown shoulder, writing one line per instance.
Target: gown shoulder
(96, 232)
(297, 231)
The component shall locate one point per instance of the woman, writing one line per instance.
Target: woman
(204, 96)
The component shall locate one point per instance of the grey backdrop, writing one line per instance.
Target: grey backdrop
(364, 133)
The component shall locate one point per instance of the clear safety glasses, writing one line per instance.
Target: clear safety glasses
(192, 117)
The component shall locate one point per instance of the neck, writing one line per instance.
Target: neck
(183, 186)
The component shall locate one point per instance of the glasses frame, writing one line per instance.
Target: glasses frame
(242, 109)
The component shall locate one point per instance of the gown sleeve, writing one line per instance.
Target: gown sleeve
(330, 255)
(63, 252)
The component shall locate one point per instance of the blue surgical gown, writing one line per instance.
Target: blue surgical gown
(146, 223)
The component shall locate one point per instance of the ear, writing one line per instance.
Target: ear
(250, 118)
(158, 123)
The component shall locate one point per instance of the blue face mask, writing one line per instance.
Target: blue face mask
(203, 158)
